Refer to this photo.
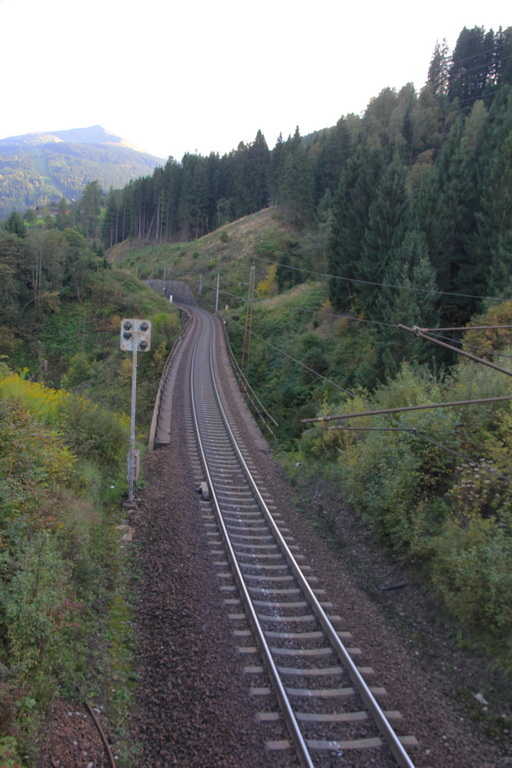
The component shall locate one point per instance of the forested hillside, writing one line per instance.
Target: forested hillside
(64, 391)
(39, 169)
(401, 216)
(324, 245)
(415, 191)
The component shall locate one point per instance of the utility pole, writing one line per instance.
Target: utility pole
(217, 293)
(246, 351)
(135, 336)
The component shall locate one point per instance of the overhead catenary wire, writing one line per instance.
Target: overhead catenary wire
(299, 362)
(471, 346)
(416, 433)
(383, 411)
(412, 430)
(417, 332)
(381, 285)
(467, 328)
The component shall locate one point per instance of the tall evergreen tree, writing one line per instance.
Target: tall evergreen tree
(413, 300)
(491, 249)
(387, 225)
(296, 183)
(439, 69)
(456, 224)
(351, 205)
(472, 66)
(89, 208)
(258, 166)
(277, 159)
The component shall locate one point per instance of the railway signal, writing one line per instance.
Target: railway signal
(136, 332)
(135, 337)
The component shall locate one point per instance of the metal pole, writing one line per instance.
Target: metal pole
(418, 332)
(217, 294)
(381, 411)
(131, 455)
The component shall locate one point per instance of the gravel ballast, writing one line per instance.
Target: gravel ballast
(193, 704)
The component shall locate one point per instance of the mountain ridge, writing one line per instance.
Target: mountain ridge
(94, 134)
(71, 158)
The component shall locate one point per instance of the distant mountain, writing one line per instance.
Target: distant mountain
(40, 168)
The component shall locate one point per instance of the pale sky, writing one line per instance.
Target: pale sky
(201, 76)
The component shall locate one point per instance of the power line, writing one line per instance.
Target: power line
(384, 411)
(413, 430)
(382, 285)
(417, 332)
(285, 354)
(469, 328)
(472, 346)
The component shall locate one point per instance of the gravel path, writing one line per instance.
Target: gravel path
(193, 706)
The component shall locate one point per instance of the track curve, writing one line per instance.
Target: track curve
(284, 623)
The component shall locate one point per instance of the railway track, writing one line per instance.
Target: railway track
(313, 695)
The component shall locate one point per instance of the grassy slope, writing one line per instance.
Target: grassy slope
(227, 250)
(296, 322)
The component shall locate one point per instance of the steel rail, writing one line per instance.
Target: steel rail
(290, 719)
(390, 737)
(393, 741)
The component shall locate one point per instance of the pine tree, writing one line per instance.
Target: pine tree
(276, 168)
(296, 183)
(387, 224)
(410, 297)
(471, 68)
(258, 166)
(439, 69)
(355, 194)
(456, 223)
(491, 249)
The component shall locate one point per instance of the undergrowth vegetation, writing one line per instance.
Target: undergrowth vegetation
(57, 545)
(433, 485)
(65, 386)
(437, 492)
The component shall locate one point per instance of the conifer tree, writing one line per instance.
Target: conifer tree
(276, 168)
(258, 165)
(387, 225)
(491, 249)
(296, 185)
(349, 221)
(439, 69)
(410, 297)
(456, 223)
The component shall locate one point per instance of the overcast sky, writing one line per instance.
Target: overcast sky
(198, 76)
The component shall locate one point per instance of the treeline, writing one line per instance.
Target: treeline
(423, 199)
(39, 266)
(38, 175)
(413, 192)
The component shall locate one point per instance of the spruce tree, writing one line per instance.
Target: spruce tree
(387, 225)
(356, 192)
(439, 69)
(296, 183)
(491, 249)
(258, 166)
(410, 297)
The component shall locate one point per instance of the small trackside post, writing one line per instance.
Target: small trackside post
(135, 337)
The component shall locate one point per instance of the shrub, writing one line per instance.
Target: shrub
(94, 432)
(40, 610)
(472, 569)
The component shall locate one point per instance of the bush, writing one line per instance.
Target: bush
(94, 433)
(472, 569)
(40, 610)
